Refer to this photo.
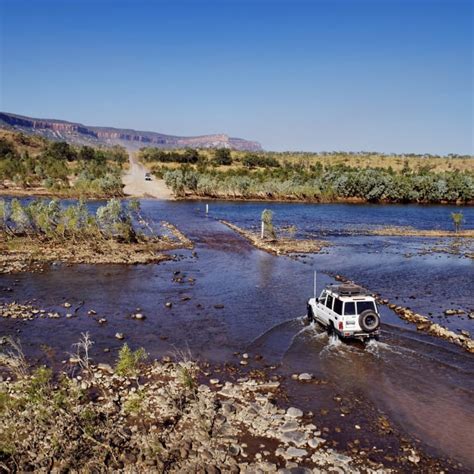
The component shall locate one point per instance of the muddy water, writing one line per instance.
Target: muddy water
(424, 385)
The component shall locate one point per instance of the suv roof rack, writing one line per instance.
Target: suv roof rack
(348, 289)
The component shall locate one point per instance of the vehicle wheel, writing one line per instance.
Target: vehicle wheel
(369, 320)
(310, 314)
(331, 330)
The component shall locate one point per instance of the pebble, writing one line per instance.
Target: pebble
(67, 305)
(102, 321)
(214, 381)
(305, 377)
(168, 304)
(119, 335)
(293, 412)
(105, 368)
(139, 316)
(295, 452)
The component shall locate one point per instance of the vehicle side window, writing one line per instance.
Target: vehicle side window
(364, 305)
(338, 306)
(322, 298)
(329, 300)
(349, 309)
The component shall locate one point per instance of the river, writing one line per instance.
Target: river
(425, 386)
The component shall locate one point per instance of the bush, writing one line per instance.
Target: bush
(128, 361)
(253, 161)
(222, 157)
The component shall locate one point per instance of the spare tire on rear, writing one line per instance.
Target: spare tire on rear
(369, 320)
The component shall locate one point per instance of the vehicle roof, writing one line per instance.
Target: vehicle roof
(349, 292)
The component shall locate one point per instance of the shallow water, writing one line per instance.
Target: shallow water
(425, 385)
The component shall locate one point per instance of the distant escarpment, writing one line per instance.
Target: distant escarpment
(132, 139)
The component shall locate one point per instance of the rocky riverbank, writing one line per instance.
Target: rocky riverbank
(19, 254)
(164, 416)
(281, 246)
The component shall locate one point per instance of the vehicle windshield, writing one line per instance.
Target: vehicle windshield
(364, 305)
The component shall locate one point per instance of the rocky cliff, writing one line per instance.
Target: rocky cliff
(132, 139)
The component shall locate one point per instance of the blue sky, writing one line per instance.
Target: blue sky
(386, 75)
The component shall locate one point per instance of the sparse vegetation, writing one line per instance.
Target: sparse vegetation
(458, 219)
(31, 162)
(268, 231)
(318, 183)
(128, 362)
(47, 220)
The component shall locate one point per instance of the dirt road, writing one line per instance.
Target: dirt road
(136, 185)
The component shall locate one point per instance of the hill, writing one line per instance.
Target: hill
(79, 134)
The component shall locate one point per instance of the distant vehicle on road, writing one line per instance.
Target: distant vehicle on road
(147, 177)
(346, 310)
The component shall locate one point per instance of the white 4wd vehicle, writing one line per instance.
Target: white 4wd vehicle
(347, 310)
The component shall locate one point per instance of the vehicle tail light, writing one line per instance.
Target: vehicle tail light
(341, 325)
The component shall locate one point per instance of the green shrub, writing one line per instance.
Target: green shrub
(128, 361)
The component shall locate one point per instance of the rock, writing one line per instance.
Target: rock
(105, 368)
(294, 412)
(119, 335)
(304, 377)
(67, 305)
(168, 304)
(243, 362)
(214, 381)
(290, 426)
(234, 450)
(68, 315)
(74, 360)
(314, 443)
(245, 356)
(219, 306)
(139, 316)
(471, 315)
(295, 453)
(91, 312)
(466, 333)
(413, 457)
(296, 437)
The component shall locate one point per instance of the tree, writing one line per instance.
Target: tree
(457, 218)
(222, 156)
(268, 232)
(61, 151)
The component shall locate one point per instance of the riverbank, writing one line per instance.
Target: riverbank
(19, 254)
(67, 193)
(168, 415)
(280, 246)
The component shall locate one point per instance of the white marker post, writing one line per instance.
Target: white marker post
(207, 209)
(314, 284)
(262, 233)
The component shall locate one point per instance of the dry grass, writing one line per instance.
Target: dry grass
(396, 162)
